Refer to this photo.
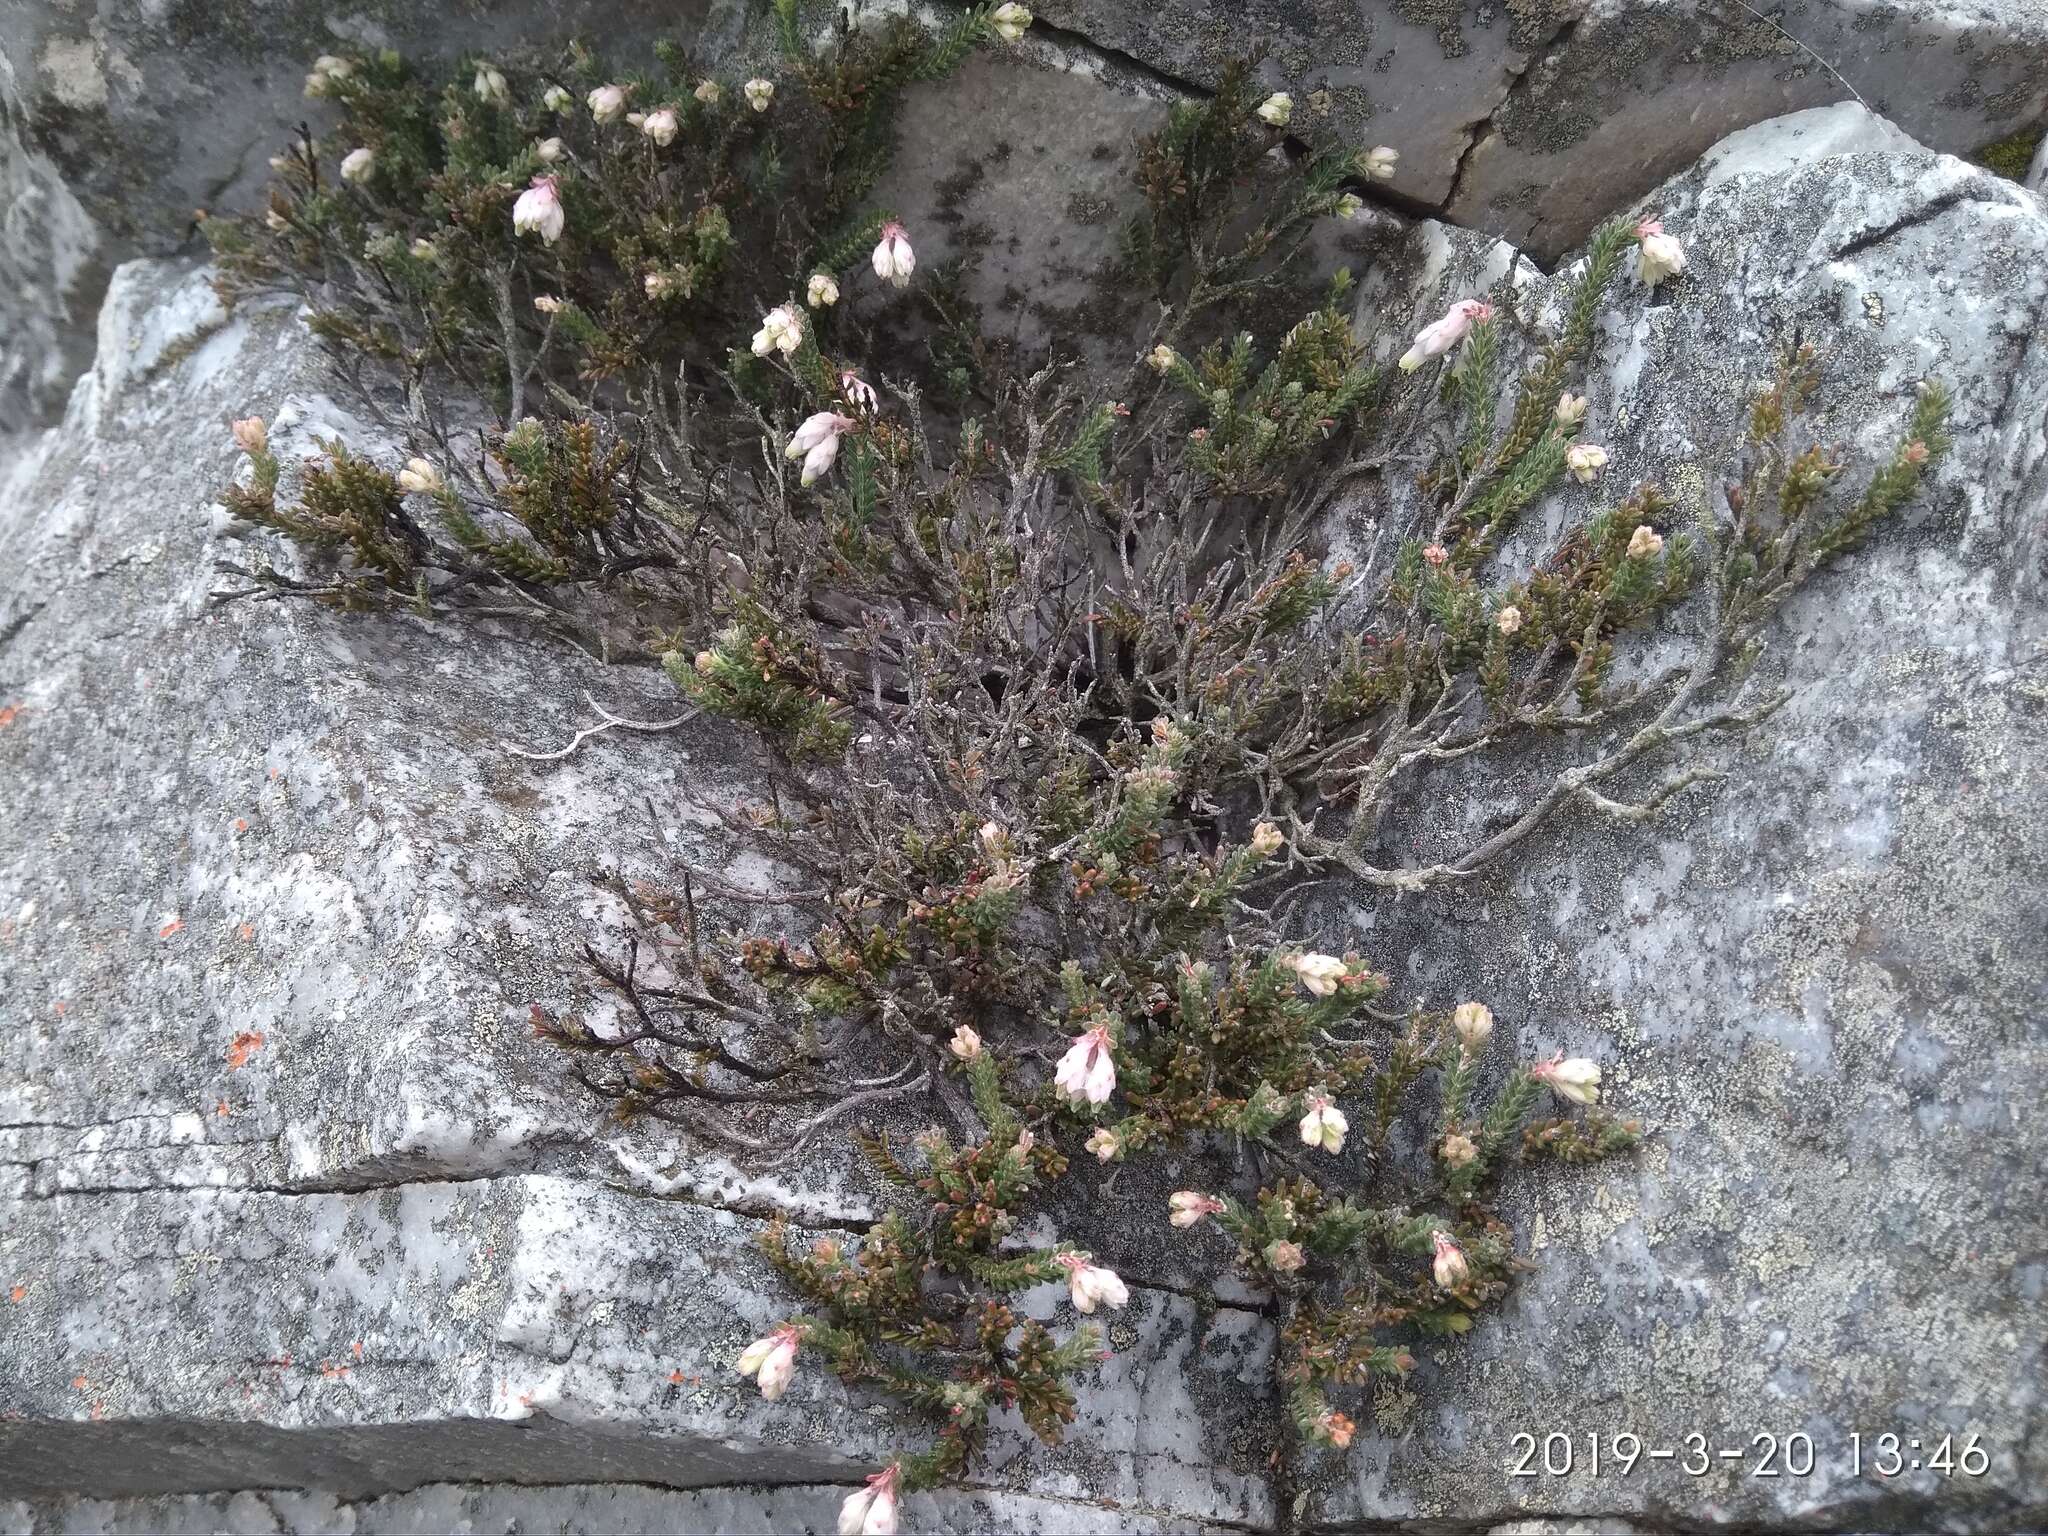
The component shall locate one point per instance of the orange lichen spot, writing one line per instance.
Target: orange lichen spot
(243, 1046)
(675, 1378)
(248, 932)
(332, 1371)
(80, 1383)
(10, 714)
(170, 928)
(18, 1295)
(241, 823)
(99, 1410)
(220, 1107)
(358, 1347)
(59, 1005)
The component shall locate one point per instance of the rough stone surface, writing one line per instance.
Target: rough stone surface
(588, 1510)
(127, 123)
(1529, 118)
(1821, 982)
(273, 900)
(2037, 174)
(1535, 119)
(1033, 200)
(47, 246)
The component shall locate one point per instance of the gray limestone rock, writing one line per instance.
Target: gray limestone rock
(48, 273)
(120, 124)
(285, 1184)
(1821, 982)
(575, 1510)
(288, 1199)
(1535, 119)
(1531, 119)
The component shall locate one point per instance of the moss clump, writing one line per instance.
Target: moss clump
(2012, 155)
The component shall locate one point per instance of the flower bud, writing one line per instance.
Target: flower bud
(547, 303)
(555, 99)
(782, 329)
(1190, 1206)
(549, 151)
(965, 1044)
(1459, 1150)
(1103, 1144)
(1324, 1125)
(1319, 973)
(1644, 543)
(1091, 1285)
(823, 290)
(707, 92)
(861, 395)
(539, 211)
(661, 125)
(1448, 1267)
(425, 250)
(1284, 1257)
(893, 258)
(759, 93)
(871, 1511)
(607, 102)
(1267, 840)
(1435, 554)
(490, 86)
(1161, 358)
(1088, 1070)
(1380, 161)
(1576, 1078)
(771, 1361)
(357, 165)
(1276, 110)
(1508, 620)
(250, 434)
(1658, 255)
(1473, 1023)
(1438, 337)
(1571, 409)
(419, 478)
(327, 69)
(1011, 21)
(1350, 207)
(1585, 461)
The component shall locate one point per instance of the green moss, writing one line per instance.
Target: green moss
(2012, 155)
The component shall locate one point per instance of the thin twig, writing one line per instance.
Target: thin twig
(1803, 48)
(609, 722)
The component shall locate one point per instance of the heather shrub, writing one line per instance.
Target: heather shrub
(1062, 704)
